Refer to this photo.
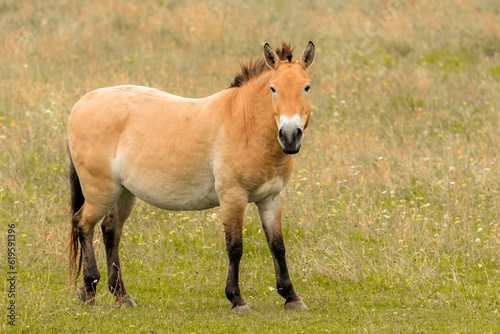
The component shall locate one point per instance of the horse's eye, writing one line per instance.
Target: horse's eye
(273, 90)
(306, 89)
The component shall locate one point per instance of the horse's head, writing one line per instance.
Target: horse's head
(289, 87)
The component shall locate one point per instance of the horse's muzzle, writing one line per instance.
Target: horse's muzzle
(290, 138)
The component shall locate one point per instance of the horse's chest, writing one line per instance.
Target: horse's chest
(272, 186)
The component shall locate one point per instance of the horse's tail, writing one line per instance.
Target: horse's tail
(77, 200)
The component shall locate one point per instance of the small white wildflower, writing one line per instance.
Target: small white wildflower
(478, 240)
(480, 230)
(271, 288)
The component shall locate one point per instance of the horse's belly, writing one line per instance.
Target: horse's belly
(185, 203)
(170, 193)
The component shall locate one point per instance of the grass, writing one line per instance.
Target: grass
(392, 214)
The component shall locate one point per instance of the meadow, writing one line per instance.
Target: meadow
(392, 215)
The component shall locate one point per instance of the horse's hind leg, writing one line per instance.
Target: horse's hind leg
(112, 227)
(84, 221)
(270, 210)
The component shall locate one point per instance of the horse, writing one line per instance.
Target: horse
(228, 149)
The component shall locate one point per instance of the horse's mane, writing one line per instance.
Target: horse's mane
(254, 69)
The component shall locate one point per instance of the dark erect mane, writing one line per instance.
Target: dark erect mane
(254, 69)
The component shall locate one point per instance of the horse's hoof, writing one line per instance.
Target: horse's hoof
(241, 309)
(295, 305)
(85, 297)
(126, 300)
(129, 301)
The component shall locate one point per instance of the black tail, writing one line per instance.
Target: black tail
(77, 201)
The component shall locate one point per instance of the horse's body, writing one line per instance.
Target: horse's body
(229, 149)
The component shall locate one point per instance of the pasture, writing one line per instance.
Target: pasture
(391, 218)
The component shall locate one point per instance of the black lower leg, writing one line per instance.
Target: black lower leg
(91, 275)
(234, 252)
(283, 282)
(111, 237)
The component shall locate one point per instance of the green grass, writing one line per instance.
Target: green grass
(392, 214)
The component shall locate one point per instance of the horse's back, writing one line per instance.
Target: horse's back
(141, 115)
(111, 102)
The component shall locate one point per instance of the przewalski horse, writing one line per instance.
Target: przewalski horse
(229, 149)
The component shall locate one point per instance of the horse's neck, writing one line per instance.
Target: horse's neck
(254, 112)
(254, 102)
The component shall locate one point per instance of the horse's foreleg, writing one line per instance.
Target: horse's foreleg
(270, 210)
(112, 227)
(233, 212)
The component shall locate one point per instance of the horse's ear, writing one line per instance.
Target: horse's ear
(307, 57)
(272, 59)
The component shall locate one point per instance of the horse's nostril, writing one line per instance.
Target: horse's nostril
(280, 134)
(299, 133)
